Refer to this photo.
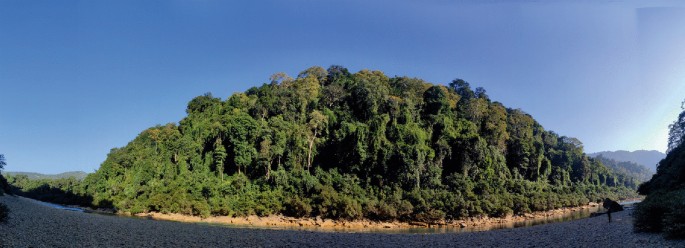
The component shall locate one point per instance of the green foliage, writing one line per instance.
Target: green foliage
(338, 145)
(662, 209)
(674, 221)
(662, 212)
(61, 191)
(631, 169)
(677, 131)
(297, 207)
(2, 161)
(80, 175)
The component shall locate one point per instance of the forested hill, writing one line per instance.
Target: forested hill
(79, 175)
(340, 145)
(662, 209)
(632, 169)
(646, 158)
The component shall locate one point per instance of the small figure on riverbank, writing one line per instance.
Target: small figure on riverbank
(611, 206)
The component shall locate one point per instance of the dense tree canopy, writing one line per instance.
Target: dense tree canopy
(677, 131)
(335, 144)
(634, 171)
(2, 161)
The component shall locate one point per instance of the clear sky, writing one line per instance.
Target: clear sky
(78, 78)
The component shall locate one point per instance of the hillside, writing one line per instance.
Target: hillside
(631, 169)
(343, 145)
(80, 175)
(649, 159)
(662, 209)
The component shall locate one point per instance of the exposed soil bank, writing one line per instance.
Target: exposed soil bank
(319, 224)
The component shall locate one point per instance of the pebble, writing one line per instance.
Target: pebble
(34, 225)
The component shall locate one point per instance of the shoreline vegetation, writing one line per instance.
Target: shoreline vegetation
(365, 225)
(662, 209)
(337, 145)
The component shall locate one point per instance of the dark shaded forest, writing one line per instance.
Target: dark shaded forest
(54, 190)
(343, 145)
(4, 189)
(662, 209)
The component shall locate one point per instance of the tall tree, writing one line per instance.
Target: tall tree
(242, 129)
(676, 133)
(265, 155)
(463, 88)
(317, 123)
(219, 156)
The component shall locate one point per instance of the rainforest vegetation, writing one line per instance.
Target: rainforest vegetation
(662, 209)
(646, 158)
(343, 145)
(55, 190)
(636, 173)
(4, 188)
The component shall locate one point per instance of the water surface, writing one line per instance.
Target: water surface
(57, 206)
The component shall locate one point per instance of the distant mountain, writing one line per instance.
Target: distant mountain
(80, 175)
(647, 158)
(627, 168)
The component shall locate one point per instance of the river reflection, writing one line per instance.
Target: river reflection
(57, 206)
(573, 215)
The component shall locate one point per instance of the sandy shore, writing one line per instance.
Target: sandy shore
(34, 225)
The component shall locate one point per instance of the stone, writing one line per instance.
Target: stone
(612, 206)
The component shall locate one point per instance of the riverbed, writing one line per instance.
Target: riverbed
(279, 222)
(35, 225)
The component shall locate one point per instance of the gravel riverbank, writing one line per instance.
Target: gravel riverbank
(35, 225)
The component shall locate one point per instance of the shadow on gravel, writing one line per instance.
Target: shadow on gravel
(50, 194)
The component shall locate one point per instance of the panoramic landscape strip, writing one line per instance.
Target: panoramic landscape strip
(350, 146)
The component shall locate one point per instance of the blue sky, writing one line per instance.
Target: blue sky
(78, 78)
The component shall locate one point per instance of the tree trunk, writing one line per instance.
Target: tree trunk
(268, 169)
(309, 154)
